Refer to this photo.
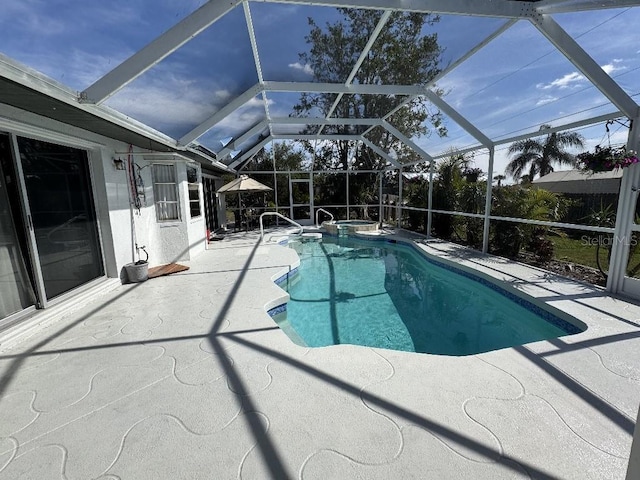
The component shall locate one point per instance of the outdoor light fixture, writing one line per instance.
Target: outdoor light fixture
(118, 163)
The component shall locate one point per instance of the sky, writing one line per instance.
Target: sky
(511, 86)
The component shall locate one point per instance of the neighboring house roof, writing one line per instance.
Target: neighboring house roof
(577, 181)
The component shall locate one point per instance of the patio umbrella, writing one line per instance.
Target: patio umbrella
(243, 184)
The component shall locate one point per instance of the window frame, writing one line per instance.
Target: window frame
(194, 186)
(156, 195)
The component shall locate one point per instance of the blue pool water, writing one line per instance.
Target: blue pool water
(381, 294)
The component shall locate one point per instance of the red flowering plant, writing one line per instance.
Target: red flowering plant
(605, 159)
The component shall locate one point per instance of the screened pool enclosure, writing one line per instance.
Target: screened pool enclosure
(409, 113)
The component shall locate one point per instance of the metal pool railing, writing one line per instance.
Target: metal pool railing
(296, 224)
(323, 210)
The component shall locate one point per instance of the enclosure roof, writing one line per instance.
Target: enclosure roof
(225, 77)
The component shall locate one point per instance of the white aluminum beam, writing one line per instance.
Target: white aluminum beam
(394, 110)
(625, 216)
(560, 128)
(459, 119)
(250, 153)
(297, 136)
(363, 89)
(324, 121)
(311, 86)
(367, 48)
(363, 55)
(487, 202)
(503, 28)
(453, 65)
(252, 40)
(537, 133)
(560, 6)
(479, 46)
(256, 56)
(155, 51)
(447, 154)
(213, 161)
(487, 8)
(235, 144)
(400, 136)
(381, 152)
(221, 114)
(585, 64)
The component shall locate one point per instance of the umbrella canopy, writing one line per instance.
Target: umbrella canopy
(243, 184)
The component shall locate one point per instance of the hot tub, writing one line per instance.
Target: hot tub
(342, 227)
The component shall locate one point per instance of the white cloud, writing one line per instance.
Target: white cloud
(167, 103)
(30, 16)
(614, 66)
(306, 68)
(257, 102)
(77, 69)
(572, 79)
(546, 99)
(565, 81)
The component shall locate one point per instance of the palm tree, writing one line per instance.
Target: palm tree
(539, 155)
(499, 179)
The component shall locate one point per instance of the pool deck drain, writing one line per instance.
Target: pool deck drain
(188, 377)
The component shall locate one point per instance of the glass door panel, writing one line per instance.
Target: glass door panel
(301, 196)
(16, 290)
(58, 188)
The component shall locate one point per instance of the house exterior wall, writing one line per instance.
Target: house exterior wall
(164, 241)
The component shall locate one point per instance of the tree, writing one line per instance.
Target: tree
(286, 158)
(518, 201)
(540, 155)
(401, 55)
(446, 193)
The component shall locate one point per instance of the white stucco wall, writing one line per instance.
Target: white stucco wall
(119, 212)
(171, 241)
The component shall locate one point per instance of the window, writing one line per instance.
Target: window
(165, 190)
(194, 191)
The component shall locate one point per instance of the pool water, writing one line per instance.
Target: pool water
(380, 294)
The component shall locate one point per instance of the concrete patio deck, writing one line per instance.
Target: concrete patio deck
(187, 377)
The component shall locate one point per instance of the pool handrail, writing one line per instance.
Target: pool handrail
(323, 210)
(277, 214)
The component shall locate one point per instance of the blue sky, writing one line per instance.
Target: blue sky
(512, 86)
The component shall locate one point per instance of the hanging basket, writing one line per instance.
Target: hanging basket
(606, 159)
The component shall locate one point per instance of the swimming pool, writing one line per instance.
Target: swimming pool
(388, 295)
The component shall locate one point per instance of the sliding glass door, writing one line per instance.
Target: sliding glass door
(16, 285)
(49, 241)
(61, 213)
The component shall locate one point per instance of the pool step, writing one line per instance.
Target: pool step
(312, 235)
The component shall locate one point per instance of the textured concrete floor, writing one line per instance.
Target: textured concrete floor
(186, 376)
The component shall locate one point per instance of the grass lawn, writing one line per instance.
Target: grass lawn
(579, 251)
(583, 252)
